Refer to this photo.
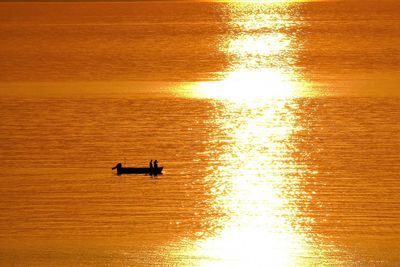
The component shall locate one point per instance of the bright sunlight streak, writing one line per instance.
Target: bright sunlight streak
(262, 1)
(249, 188)
(249, 184)
(249, 85)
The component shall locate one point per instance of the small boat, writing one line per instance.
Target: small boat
(130, 170)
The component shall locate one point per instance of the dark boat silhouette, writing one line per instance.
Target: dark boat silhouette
(130, 170)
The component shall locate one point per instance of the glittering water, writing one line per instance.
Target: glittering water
(285, 182)
(277, 126)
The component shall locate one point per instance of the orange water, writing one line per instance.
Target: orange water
(277, 126)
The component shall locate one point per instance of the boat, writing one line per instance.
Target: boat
(130, 170)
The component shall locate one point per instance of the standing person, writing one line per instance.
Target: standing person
(155, 166)
(151, 166)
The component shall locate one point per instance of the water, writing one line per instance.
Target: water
(277, 126)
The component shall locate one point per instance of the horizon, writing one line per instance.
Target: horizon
(183, 1)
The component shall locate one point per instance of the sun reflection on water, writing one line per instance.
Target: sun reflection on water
(250, 183)
(250, 86)
(256, 45)
(251, 180)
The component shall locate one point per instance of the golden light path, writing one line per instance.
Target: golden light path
(252, 180)
(261, 68)
(249, 188)
(262, 1)
(250, 86)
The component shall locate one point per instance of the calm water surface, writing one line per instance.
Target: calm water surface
(277, 126)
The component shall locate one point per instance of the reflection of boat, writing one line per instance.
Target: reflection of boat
(129, 170)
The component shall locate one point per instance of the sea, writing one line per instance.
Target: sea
(277, 124)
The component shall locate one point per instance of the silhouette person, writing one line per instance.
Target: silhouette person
(155, 166)
(151, 166)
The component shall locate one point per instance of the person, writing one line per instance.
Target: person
(151, 165)
(155, 166)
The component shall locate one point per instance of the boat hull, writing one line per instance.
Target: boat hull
(139, 171)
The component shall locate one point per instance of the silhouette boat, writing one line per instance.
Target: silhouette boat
(130, 170)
